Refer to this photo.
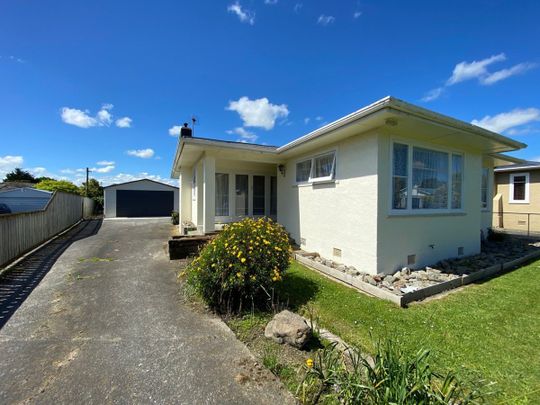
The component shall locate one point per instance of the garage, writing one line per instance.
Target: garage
(140, 198)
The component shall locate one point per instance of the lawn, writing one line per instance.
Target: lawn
(489, 330)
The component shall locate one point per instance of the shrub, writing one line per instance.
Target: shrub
(175, 218)
(241, 265)
(391, 377)
(58, 185)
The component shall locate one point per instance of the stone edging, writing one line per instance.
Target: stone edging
(418, 295)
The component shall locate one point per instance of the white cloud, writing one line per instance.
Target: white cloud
(243, 14)
(318, 118)
(433, 94)
(124, 122)
(270, 2)
(258, 113)
(529, 129)
(104, 117)
(125, 177)
(141, 153)
(9, 162)
(13, 59)
(475, 69)
(506, 73)
(104, 169)
(298, 7)
(357, 14)
(507, 120)
(175, 130)
(67, 171)
(306, 120)
(105, 163)
(324, 20)
(245, 136)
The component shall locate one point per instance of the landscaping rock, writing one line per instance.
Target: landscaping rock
(405, 271)
(342, 268)
(288, 327)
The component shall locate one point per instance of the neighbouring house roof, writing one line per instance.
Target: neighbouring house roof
(136, 181)
(388, 112)
(25, 191)
(527, 165)
(16, 184)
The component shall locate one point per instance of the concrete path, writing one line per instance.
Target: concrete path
(107, 324)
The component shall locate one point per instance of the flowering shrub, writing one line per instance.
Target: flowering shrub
(241, 265)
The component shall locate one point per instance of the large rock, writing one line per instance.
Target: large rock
(288, 327)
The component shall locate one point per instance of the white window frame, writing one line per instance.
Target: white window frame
(511, 196)
(194, 185)
(409, 211)
(312, 179)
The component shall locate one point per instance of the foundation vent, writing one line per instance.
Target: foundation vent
(460, 251)
(411, 259)
(522, 222)
(337, 252)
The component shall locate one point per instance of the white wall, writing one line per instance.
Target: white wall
(403, 235)
(340, 214)
(109, 204)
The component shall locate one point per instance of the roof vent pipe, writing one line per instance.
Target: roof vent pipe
(185, 131)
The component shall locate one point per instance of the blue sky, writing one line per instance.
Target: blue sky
(104, 83)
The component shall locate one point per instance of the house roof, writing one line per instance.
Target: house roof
(28, 190)
(389, 112)
(527, 165)
(15, 184)
(135, 181)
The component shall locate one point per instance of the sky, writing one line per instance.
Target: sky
(106, 84)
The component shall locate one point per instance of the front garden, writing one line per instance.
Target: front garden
(485, 335)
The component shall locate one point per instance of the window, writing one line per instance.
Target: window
(519, 188)
(318, 168)
(273, 195)
(222, 194)
(241, 194)
(258, 195)
(400, 176)
(303, 170)
(194, 185)
(484, 191)
(426, 179)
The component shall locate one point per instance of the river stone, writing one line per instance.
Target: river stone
(288, 327)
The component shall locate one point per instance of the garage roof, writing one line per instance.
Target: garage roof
(135, 181)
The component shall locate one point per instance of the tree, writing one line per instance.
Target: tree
(95, 191)
(20, 175)
(58, 185)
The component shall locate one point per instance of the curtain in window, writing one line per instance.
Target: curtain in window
(303, 170)
(222, 194)
(400, 174)
(241, 194)
(258, 195)
(457, 180)
(429, 179)
(323, 165)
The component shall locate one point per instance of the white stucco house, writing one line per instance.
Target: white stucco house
(389, 185)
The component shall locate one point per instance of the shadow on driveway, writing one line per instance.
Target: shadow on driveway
(17, 283)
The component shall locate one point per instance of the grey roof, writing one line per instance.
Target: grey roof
(7, 185)
(529, 165)
(135, 181)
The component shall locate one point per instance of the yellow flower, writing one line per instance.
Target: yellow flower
(230, 265)
(239, 275)
(243, 259)
(309, 363)
(213, 265)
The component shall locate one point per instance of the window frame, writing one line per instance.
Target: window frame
(311, 179)
(228, 194)
(511, 199)
(409, 211)
(485, 207)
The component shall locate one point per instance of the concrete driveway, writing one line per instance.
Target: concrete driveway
(107, 324)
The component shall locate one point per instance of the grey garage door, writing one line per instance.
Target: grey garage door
(143, 203)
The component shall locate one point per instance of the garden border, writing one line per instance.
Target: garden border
(418, 295)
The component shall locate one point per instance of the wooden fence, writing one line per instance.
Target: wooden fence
(21, 232)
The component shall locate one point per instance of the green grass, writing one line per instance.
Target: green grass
(489, 330)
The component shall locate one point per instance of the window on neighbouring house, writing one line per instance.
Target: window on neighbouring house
(484, 192)
(222, 194)
(241, 194)
(258, 195)
(426, 179)
(303, 170)
(273, 195)
(519, 187)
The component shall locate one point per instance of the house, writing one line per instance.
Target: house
(24, 199)
(517, 197)
(139, 198)
(387, 186)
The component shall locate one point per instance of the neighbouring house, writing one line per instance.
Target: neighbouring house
(387, 186)
(516, 205)
(139, 198)
(25, 199)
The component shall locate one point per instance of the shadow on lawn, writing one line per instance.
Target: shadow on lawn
(296, 291)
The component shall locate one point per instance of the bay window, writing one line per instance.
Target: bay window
(426, 179)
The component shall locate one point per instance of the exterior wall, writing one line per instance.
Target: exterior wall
(513, 216)
(109, 194)
(431, 237)
(25, 199)
(341, 214)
